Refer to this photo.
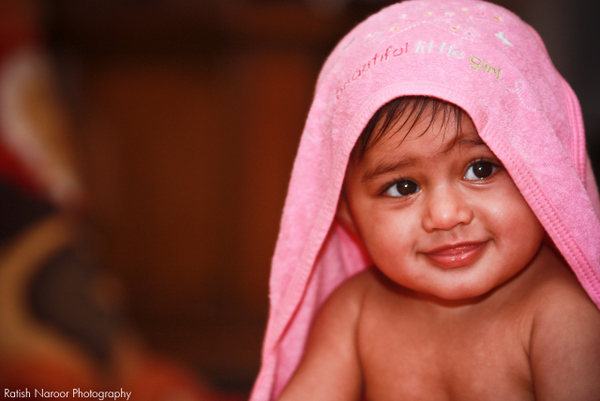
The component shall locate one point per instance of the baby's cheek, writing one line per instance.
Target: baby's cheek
(520, 227)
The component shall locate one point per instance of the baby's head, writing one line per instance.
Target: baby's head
(433, 205)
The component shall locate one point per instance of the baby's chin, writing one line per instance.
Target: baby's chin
(458, 295)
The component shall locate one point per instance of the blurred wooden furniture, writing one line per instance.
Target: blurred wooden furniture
(189, 116)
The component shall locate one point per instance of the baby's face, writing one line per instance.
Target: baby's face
(437, 216)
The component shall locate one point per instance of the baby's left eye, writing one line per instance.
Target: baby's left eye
(480, 170)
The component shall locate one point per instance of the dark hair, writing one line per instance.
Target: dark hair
(409, 108)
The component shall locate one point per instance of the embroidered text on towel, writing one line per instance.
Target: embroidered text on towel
(390, 52)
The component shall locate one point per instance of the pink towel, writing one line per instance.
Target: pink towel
(476, 55)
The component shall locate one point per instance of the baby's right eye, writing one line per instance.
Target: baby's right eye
(402, 188)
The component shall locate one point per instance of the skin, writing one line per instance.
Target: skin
(466, 301)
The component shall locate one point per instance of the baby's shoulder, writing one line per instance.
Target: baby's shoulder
(557, 293)
(348, 298)
(564, 347)
(355, 288)
(561, 311)
(339, 315)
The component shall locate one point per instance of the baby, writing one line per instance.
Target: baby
(440, 240)
(466, 300)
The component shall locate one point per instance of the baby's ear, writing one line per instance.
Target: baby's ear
(344, 215)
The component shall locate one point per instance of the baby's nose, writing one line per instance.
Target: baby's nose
(445, 209)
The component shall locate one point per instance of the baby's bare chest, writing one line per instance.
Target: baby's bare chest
(407, 356)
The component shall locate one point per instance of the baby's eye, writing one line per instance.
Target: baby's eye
(480, 170)
(402, 188)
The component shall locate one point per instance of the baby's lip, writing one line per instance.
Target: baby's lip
(450, 256)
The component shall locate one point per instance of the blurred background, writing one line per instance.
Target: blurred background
(184, 117)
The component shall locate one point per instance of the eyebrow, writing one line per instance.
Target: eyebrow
(386, 167)
(468, 141)
(389, 166)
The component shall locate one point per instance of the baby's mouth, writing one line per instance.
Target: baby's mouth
(455, 255)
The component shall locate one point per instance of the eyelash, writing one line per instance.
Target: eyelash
(395, 184)
(413, 187)
(494, 164)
